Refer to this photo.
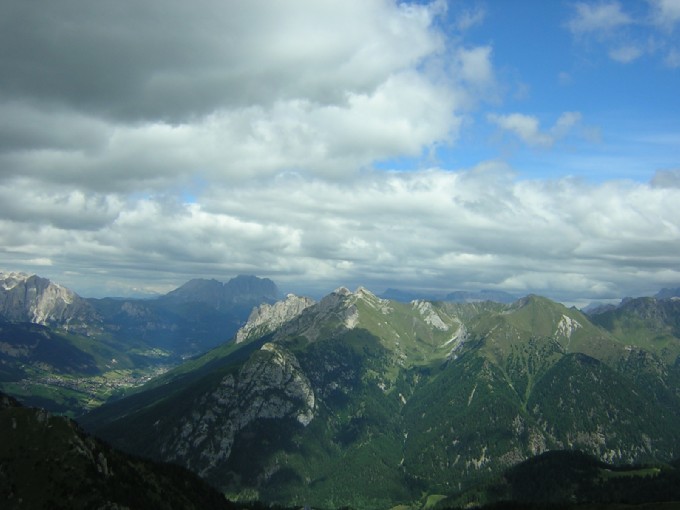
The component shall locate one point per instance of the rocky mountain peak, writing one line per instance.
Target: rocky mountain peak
(31, 298)
(342, 291)
(367, 295)
(266, 317)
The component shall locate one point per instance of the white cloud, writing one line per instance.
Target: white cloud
(666, 179)
(242, 90)
(626, 54)
(142, 144)
(172, 62)
(433, 228)
(631, 34)
(474, 65)
(599, 17)
(665, 13)
(527, 127)
(470, 18)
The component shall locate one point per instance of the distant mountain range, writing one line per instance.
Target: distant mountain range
(459, 296)
(64, 352)
(353, 400)
(370, 403)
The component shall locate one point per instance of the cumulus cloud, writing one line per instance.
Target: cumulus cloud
(126, 96)
(527, 127)
(173, 61)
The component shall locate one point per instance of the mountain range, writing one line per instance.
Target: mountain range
(355, 400)
(369, 403)
(67, 353)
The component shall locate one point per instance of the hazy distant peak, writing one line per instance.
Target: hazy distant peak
(668, 293)
(241, 289)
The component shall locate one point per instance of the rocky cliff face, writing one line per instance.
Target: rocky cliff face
(266, 317)
(30, 298)
(271, 385)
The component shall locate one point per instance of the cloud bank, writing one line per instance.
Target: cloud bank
(146, 143)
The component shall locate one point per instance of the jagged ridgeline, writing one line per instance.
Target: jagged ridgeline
(369, 403)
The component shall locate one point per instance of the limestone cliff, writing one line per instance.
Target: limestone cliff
(266, 318)
(30, 298)
(270, 385)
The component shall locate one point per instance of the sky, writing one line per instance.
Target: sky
(525, 146)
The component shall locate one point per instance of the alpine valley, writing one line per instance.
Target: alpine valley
(362, 402)
(68, 354)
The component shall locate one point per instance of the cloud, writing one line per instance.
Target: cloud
(469, 18)
(628, 35)
(474, 65)
(435, 229)
(672, 59)
(597, 18)
(125, 97)
(172, 62)
(666, 179)
(527, 127)
(146, 143)
(665, 13)
(626, 54)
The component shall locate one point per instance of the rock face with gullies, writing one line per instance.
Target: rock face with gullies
(30, 298)
(266, 317)
(271, 385)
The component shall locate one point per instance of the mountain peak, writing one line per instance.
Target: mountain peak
(342, 291)
(11, 279)
(243, 289)
(267, 317)
(31, 298)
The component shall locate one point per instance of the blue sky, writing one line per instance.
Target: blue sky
(545, 66)
(525, 146)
